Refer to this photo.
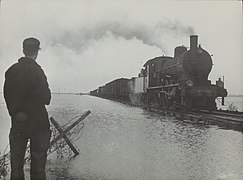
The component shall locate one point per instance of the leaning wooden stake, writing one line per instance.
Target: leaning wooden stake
(63, 132)
(58, 127)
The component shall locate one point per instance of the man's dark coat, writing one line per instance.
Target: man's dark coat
(26, 91)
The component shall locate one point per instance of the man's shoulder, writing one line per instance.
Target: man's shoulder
(12, 68)
(25, 66)
(21, 66)
(28, 64)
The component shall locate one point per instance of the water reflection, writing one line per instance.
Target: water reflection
(123, 142)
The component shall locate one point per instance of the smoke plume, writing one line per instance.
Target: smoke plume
(83, 37)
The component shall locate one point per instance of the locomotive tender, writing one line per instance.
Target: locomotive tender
(179, 82)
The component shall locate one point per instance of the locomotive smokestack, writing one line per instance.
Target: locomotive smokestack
(193, 41)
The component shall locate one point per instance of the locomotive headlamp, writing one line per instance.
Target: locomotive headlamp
(220, 84)
(189, 83)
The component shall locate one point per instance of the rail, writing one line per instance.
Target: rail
(229, 119)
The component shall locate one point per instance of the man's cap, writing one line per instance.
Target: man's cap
(31, 44)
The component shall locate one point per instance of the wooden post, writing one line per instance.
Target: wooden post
(58, 127)
(63, 132)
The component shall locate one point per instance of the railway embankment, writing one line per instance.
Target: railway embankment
(222, 118)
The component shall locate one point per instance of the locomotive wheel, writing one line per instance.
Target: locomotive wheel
(188, 104)
(166, 101)
(163, 100)
(211, 104)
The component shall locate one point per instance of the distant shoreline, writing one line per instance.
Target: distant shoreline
(64, 93)
(233, 95)
(230, 95)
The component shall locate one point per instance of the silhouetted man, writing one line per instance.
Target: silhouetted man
(26, 92)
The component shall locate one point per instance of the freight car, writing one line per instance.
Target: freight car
(117, 90)
(123, 89)
(179, 82)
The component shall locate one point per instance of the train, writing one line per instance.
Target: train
(178, 82)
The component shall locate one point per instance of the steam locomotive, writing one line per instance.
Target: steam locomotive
(179, 82)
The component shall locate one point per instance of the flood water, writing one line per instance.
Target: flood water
(128, 143)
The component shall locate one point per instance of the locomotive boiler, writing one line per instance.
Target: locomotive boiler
(182, 81)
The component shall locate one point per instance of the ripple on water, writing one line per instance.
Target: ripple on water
(123, 142)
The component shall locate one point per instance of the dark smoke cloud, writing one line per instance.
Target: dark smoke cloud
(81, 38)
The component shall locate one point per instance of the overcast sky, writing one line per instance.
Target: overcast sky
(86, 44)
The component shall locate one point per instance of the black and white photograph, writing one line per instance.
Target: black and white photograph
(121, 90)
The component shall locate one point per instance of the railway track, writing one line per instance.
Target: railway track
(235, 114)
(226, 117)
(223, 118)
(229, 119)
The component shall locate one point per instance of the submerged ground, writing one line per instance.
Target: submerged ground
(124, 142)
